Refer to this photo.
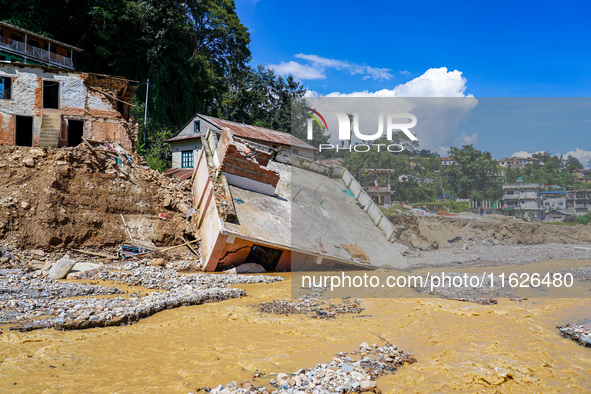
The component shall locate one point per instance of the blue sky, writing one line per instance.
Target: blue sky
(488, 49)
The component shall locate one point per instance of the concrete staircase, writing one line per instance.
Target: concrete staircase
(50, 130)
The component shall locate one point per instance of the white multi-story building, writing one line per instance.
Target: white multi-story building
(519, 162)
(523, 199)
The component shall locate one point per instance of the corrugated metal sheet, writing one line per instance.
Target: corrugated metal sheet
(257, 133)
(182, 173)
(185, 137)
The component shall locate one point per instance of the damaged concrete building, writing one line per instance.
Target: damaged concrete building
(284, 212)
(44, 102)
(54, 107)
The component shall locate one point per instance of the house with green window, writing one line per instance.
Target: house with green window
(186, 145)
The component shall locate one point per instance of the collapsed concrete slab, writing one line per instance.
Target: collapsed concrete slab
(287, 214)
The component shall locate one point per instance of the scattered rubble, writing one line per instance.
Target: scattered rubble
(578, 273)
(578, 333)
(346, 373)
(75, 196)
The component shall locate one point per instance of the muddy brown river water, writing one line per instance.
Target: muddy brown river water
(512, 346)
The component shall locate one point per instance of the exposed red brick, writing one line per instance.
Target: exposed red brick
(7, 131)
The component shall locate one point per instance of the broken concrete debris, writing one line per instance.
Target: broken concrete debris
(247, 268)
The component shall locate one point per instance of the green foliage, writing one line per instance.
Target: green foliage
(584, 219)
(158, 154)
(472, 173)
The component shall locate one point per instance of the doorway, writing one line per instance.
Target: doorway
(265, 256)
(24, 131)
(75, 132)
(51, 94)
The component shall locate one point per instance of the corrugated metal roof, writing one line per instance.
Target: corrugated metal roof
(182, 173)
(562, 212)
(186, 137)
(257, 133)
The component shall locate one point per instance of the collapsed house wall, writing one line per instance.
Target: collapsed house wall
(245, 167)
(88, 105)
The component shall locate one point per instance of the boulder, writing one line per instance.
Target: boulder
(366, 385)
(29, 162)
(248, 268)
(85, 271)
(61, 268)
(158, 262)
(86, 274)
(36, 264)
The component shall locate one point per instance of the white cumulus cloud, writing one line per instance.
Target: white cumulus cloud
(466, 139)
(299, 71)
(584, 156)
(524, 153)
(435, 82)
(314, 67)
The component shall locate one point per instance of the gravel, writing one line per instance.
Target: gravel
(478, 254)
(346, 373)
(30, 301)
(321, 309)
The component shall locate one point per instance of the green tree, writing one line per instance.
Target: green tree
(472, 172)
(572, 163)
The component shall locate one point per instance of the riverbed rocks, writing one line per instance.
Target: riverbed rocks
(576, 332)
(32, 300)
(318, 308)
(346, 373)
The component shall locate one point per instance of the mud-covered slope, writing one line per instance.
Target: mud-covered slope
(53, 197)
(427, 230)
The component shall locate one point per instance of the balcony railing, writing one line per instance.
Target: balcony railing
(35, 53)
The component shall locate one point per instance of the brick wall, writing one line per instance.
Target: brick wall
(235, 162)
(7, 129)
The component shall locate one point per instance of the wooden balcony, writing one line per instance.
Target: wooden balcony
(36, 48)
(34, 53)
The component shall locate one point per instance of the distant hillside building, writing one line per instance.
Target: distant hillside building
(578, 201)
(557, 215)
(447, 161)
(583, 175)
(519, 162)
(522, 199)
